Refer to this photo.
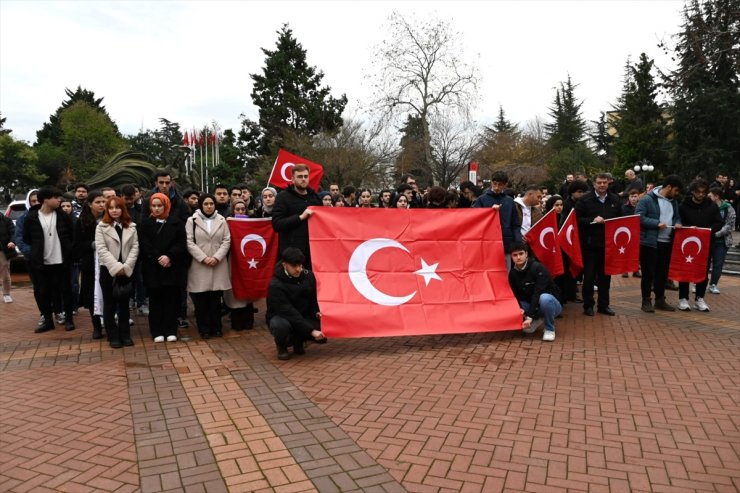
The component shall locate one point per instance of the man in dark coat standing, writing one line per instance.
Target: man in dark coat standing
(48, 231)
(592, 210)
(290, 214)
(497, 199)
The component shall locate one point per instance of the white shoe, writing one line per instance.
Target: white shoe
(693, 289)
(7, 298)
(60, 318)
(712, 289)
(701, 305)
(159, 339)
(171, 338)
(143, 310)
(130, 322)
(548, 336)
(683, 305)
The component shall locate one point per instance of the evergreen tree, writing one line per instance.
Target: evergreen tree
(412, 159)
(568, 127)
(289, 94)
(705, 88)
(603, 140)
(3, 130)
(502, 124)
(51, 132)
(640, 126)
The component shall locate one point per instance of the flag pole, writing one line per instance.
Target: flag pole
(208, 181)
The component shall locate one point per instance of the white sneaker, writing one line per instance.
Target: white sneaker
(171, 338)
(701, 305)
(7, 298)
(712, 289)
(533, 328)
(143, 310)
(693, 289)
(60, 318)
(548, 336)
(683, 305)
(159, 339)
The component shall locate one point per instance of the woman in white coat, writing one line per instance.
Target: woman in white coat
(117, 245)
(208, 240)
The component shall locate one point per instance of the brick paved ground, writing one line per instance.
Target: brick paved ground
(635, 402)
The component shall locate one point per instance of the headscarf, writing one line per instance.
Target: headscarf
(233, 207)
(264, 207)
(200, 204)
(165, 201)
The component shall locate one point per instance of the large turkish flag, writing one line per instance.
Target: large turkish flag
(570, 243)
(281, 175)
(392, 272)
(690, 254)
(254, 248)
(622, 245)
(543, 240)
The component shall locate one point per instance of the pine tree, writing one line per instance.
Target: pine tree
(289, 94)
(502, 124)
(705, 88)
(568, 127)
(640, 126)
(51, 132)
(411, 159)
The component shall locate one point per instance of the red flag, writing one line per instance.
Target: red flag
(690, 254)
(410, 272)
(545, 249)
(186, 140)
(254, 248)
(570, 243)
(281, 176)
(193, 139)
(200, 139)
(622, 245)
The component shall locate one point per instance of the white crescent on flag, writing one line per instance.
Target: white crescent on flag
(254, 237)
(620, 230)
(283, 169)
(569, 234)
(691, 239)
(544, 233)
(358, 272)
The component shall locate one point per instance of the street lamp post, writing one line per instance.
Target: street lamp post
(646, 168)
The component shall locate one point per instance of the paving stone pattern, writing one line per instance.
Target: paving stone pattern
(636, 402)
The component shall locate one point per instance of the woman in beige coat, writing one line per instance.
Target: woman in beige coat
(208, 240)
(117, 245)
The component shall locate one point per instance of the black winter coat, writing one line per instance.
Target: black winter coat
(294, 299)
(84, 253)
(588, 208)
(157, 239)
(529, 283)
(703, 215)
(7, 232)
(291, 230)
(33, 235)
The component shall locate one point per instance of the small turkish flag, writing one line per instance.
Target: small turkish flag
(254, 248)
(410, 272)
(570, 243)
(622, 245)
(281, 175)
(690, 254)
(543, 240)
(186, 140)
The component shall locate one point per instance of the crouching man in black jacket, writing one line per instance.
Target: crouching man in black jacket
(292, 308)
(535, 290)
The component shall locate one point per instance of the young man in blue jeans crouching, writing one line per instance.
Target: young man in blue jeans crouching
(535, 291)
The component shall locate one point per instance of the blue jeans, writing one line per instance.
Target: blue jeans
(719, 252)
(549, 308)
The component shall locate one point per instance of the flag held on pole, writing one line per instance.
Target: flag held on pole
(570, 243)
(281, 175)
(622, 245)
(543, 240)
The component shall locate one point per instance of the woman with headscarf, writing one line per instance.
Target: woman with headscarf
(208, 240)
(117, 245)
(90, 296)
(163, 254)
(268, 196)
(326, 199)
(241, 311)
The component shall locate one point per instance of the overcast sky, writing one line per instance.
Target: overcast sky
(190, 61)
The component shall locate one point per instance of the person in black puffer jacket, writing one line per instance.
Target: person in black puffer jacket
(292, 308)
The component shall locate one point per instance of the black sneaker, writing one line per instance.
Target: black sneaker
(182, 323)
(299, 349)
(283, 353)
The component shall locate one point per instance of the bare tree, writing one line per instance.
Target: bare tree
(453, 145)
(422, 71)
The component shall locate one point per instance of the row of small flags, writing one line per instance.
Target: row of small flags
(198, 139)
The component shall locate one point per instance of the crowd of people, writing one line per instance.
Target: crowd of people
(111, 251)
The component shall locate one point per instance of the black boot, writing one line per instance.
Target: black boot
(97, 327)
(283, 353)
(647, 306)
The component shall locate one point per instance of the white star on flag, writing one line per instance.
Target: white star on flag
(621, 250)
(689, 259)
(252, 264)
(428, 272)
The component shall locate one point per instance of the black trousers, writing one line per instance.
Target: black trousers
(117, 332)
(50, 283)
(164, 307)
(286, 335)
(242, 318)
(593, 272)
(207, 311)
(654, 263)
